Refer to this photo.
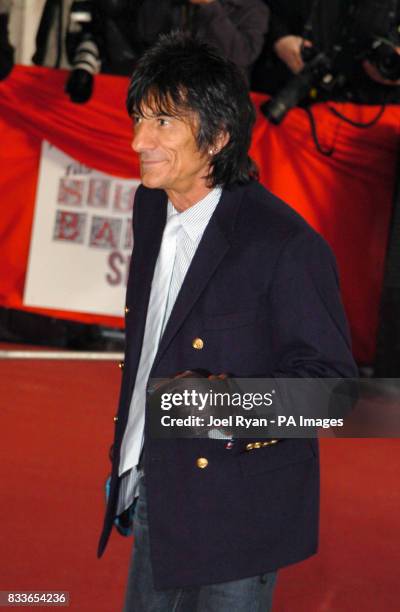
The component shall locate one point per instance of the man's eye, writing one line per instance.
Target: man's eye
(163, 121)
(136, 119)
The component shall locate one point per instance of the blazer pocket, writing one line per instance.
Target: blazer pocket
(230, 319)
(277, 456)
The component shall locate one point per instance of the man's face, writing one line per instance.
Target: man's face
(168, 153)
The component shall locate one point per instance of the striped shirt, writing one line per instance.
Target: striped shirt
(193, 222)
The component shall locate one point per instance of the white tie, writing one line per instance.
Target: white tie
(155, 322)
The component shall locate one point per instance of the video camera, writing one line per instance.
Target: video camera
(369, 31)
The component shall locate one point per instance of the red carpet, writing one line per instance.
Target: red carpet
(56, 424)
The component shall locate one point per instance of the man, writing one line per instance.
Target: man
(225, 278)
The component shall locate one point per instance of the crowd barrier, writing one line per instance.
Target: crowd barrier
(346, 196)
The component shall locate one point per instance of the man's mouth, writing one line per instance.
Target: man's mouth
(149, 162)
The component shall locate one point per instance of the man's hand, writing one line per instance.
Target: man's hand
(376, 76)
(199, 382)
(288, 49)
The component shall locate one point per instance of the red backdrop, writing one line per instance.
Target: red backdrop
(346, 197)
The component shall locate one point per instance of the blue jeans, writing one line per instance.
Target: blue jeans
(247, 595)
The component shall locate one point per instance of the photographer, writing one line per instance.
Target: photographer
(359, 42)
(308, 22)
(281, 56)
(235, 27)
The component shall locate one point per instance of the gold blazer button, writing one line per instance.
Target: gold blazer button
(115, 419)
(270, 442)
(121, 365)
(202, 463)
(127, 309)
(198, 344)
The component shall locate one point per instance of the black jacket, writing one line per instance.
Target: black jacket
(262, 294)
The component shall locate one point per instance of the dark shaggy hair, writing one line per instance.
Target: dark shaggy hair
(181, 74)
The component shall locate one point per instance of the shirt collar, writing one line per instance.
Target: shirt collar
(194, 220)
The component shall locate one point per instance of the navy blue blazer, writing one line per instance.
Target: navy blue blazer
(262, 293)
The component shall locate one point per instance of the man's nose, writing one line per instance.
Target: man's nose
(143, 138)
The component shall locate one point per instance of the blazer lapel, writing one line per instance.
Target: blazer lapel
(150, 222)
(210, 252)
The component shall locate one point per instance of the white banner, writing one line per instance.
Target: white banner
(81, 239)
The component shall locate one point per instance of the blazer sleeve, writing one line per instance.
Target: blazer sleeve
(310, 336)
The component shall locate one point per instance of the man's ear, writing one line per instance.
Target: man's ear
(221, 141)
